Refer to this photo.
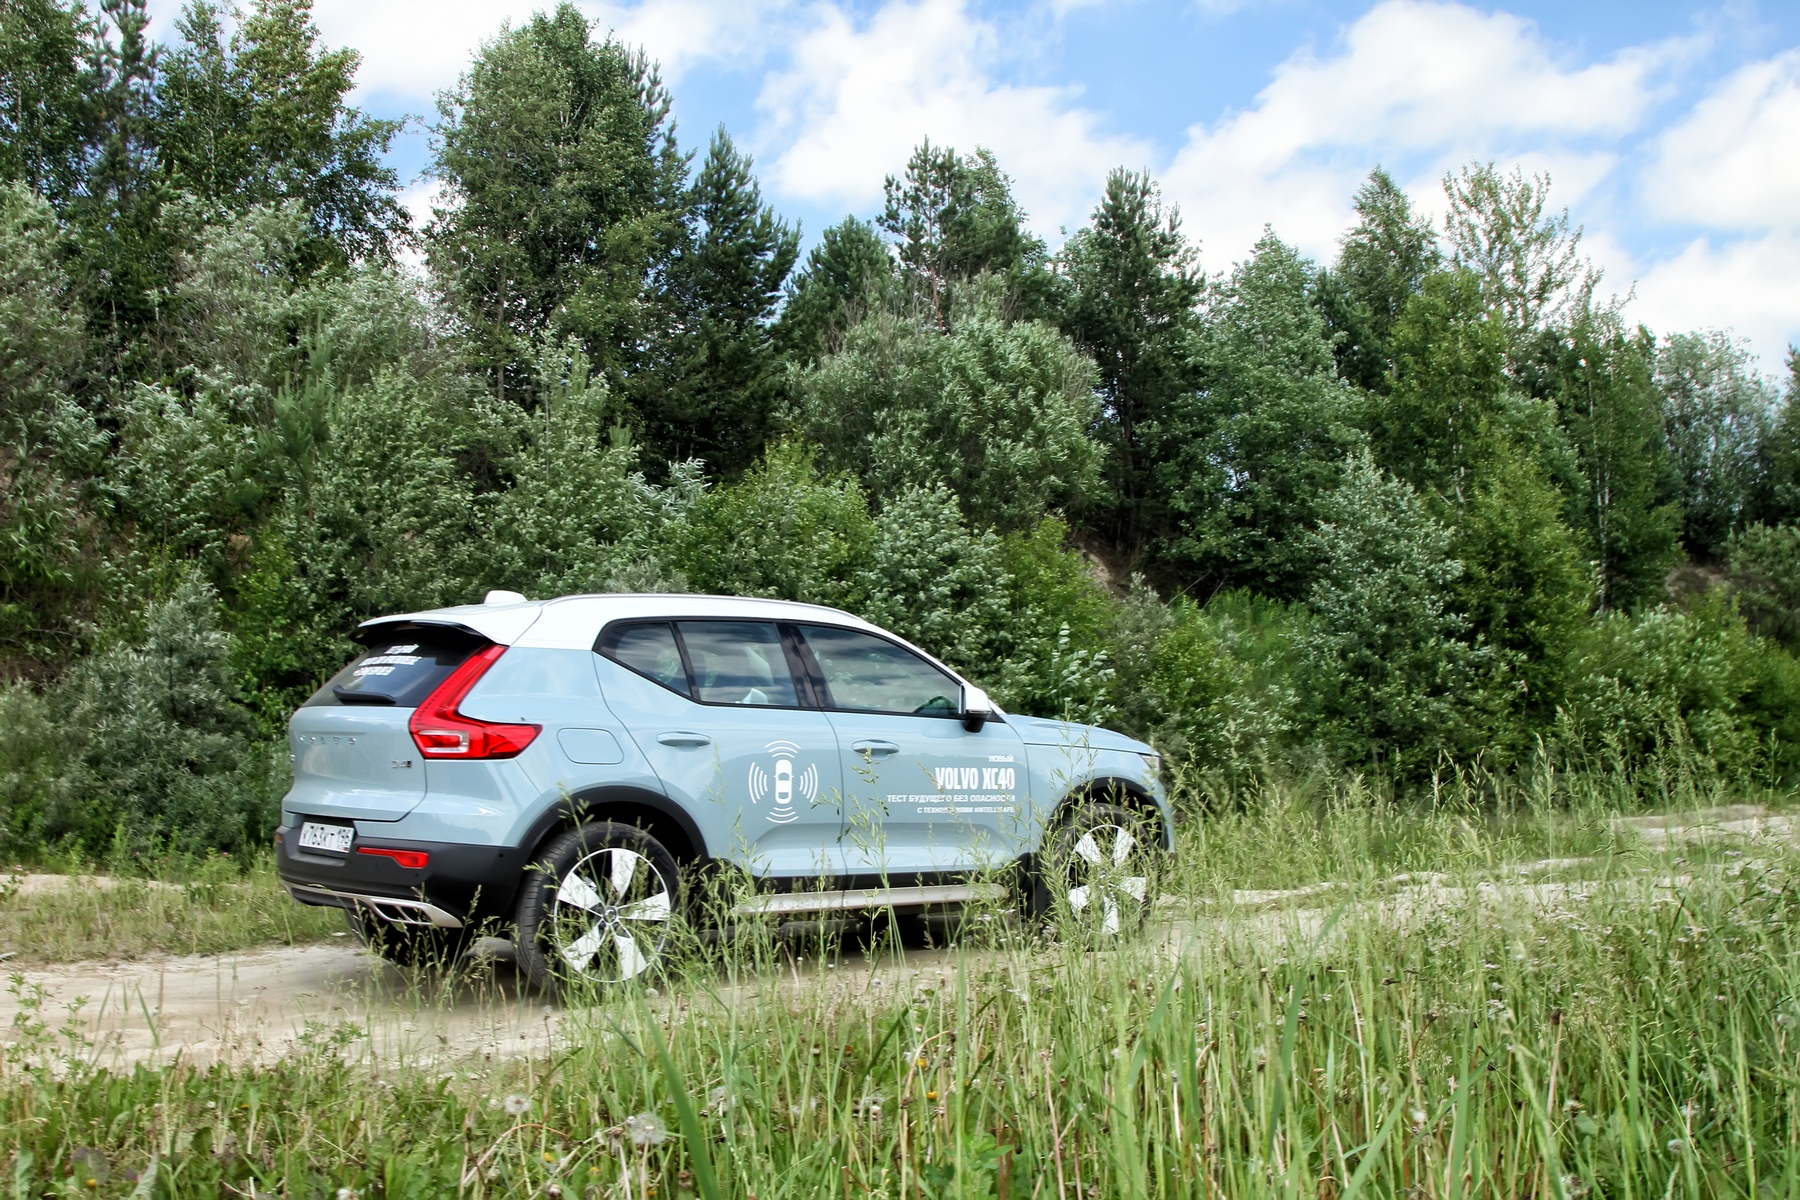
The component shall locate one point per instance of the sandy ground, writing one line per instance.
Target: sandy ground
(265, 1004)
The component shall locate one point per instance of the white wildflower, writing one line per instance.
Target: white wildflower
(646, 1129)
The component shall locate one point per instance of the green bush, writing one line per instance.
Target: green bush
(1215, 689)
(1667, 680)
(999, 410)
(144, 744)
(1386, 672)
(1763, 566)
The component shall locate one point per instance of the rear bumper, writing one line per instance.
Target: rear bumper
(394, 912)
(460, 883)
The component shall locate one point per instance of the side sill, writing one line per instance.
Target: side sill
(864, 898)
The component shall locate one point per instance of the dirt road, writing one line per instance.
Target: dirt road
(260, 1005)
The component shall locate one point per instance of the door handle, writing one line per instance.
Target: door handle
(684, 739)
(874, 747)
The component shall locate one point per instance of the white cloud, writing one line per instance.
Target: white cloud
(857, 97)
(412, 49)
(1422, 87)
(1734, 163)
(1750, 285)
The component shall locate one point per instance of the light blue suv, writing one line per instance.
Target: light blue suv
(569, 766)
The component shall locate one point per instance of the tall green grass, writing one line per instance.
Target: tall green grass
(172, 906)
(1629, 1028)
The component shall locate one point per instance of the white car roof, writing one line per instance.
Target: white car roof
(573, 622)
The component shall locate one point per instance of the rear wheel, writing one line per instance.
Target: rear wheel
(597, 907)
(1097, 876)
(423, 946)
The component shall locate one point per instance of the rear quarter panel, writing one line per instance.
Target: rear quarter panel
(498, 803)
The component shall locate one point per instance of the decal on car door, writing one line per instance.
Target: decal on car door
(968, 791)
(783, 783)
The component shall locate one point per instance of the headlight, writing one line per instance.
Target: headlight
(1152, 763)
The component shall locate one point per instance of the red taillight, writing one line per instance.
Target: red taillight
(412, 860)
(439, 731)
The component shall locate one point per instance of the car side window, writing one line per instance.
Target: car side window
(871, 674)
(649, 650)
(739, 662)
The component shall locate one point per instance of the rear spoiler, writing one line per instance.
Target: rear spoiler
(502, 625)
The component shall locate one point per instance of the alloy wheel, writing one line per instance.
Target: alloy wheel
(1105, 877)
(609, 916)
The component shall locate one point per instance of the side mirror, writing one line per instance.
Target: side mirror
(977, 709)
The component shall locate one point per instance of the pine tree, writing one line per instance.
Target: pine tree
(1388, 671)
(564, 200)
(719, 394)
(1248, 456)
(845, 275)
(1449, 349)
(953, 217)
(1382, 265)
(1133, 287)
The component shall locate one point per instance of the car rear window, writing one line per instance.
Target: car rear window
(739, 662)
(401, 667)
(649, 650)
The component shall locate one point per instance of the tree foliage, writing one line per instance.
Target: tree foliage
(1134, 285)
(562, 194)
(1424, 505)
(258, 116)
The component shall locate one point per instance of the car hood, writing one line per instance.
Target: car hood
(1040, 731)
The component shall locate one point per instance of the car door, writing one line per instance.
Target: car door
(922, 793)
(715, 707)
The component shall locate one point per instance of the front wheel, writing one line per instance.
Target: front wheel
(597, 907)
(1096, 877)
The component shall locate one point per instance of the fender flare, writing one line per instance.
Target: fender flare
(594, 802)
(1114, 789)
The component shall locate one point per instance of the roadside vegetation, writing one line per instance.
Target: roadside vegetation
(1616, 1020)
(77, 911)
(1436, 504)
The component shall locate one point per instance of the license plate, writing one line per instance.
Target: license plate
(334, 839)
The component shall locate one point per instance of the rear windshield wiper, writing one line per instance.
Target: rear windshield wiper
(346, 696)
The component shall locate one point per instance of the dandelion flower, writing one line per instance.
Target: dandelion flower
(518, 1105)
(646, 1129)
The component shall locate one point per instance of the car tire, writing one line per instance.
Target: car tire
(415, 946)
(1097, 876)
(597, 908)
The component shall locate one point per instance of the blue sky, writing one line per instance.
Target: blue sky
(1671, 130)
